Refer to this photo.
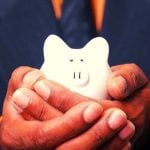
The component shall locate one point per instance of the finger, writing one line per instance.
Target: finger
(17, 77)
(31, 78)
(30, 103)
(125, 80)
(60, 97)
(47, 134)
(23, 76)
(63, 128)
(122, 139)
(12, 119)
(109, 124)
(64, 99)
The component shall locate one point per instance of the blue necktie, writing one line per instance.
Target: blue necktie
(76, 23)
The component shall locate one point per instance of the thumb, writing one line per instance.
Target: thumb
(125, 80)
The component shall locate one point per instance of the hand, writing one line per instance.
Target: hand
(99, 134)
(14, 107)
(18, 133)
(129, 84)
(130, 90)
(133, 91)
(60, 98)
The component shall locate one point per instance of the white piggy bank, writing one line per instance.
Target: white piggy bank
(84, 71)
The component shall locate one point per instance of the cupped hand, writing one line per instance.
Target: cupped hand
(130, 90)
(63, 99)
(55, 128)
(31, 123)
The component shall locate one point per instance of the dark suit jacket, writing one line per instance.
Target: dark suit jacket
(25, 24)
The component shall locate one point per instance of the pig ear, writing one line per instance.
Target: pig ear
(97, 48)
(54, 45)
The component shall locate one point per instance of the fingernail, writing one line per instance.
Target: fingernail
(127, 132)
(43, 89)
(21, 99)
(120, 84)
(128, 146)
(92, 112)
(31, 77)
(117, 119)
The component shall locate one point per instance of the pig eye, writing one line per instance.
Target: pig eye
(81, 60)
(71, 60)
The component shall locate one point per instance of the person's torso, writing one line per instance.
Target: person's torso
(24, 25)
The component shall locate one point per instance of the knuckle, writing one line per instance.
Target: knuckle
(133, 72)
(136, 74)
(98, 136)
(42, 112)
(134, 78)
(64, 103)
(40, 139)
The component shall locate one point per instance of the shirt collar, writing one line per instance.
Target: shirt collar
(98, 11)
